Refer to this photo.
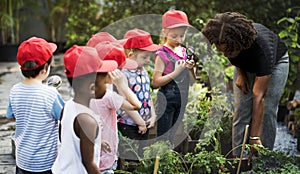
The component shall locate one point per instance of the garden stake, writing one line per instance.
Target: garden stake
(156, 164)
(243, 148)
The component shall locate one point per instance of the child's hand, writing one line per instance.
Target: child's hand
(118, 78)
(151, 122)
(105, 146)
(142, 128)
(180, 65)
(190, 64)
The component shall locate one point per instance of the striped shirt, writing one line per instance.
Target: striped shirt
(37, 110)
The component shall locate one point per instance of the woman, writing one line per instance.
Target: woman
(261, 69)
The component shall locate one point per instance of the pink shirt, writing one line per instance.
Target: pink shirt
(106, 108)
(168, 62)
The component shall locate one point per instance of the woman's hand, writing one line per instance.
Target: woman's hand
(242, 83)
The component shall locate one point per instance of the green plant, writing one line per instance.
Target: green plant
(10, 19)
(204, 115)
(82, 22)
(172, 162)
(206, 161)
(273, 162)
(289, 35)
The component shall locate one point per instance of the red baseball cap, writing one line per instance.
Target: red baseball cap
(100, 37)
(115, 51)
(175, 18)
(140, 39)
(35, 49)
(82, 60)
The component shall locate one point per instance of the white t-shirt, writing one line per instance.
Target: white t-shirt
(69, 157)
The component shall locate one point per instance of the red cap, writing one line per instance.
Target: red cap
(100, 37)
(35, 49)
(115, 51)
(175, 18)
(82, 60)
(140, 39)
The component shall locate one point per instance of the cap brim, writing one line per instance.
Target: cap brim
(53, 46)
(108, 66)
(130, 64)
(152, 47)
(121, 41)
(179, 25)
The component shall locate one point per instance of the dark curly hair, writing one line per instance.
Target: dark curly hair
(232, 29)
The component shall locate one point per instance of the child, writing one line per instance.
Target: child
(172, 74)
(80, 127)
(108, 38)
(100, 37)
(36, 108)
(138, 47)
(111, 101)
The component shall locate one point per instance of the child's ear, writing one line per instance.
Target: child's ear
(92, 88)
(130, 53)
(43, 71)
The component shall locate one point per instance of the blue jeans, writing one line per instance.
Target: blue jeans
(243, 106)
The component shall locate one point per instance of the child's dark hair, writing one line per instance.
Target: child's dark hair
(75, 82)
(232, 29)
(34, 72)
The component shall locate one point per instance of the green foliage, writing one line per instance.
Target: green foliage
(10, 19)
(172, 162)
(206, 161)
(82, 22)
(289, 34)
(204, 115)
(273, 162)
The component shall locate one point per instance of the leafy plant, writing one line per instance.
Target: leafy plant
(82, 22)
(10, 19)
(273, 162)
(290, 36)
(172, 162)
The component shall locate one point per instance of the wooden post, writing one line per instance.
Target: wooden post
(156, 165)
(243, 148)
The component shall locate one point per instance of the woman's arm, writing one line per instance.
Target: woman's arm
(242, 80)
(259, 91)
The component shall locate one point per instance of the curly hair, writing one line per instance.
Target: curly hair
(232, 29)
